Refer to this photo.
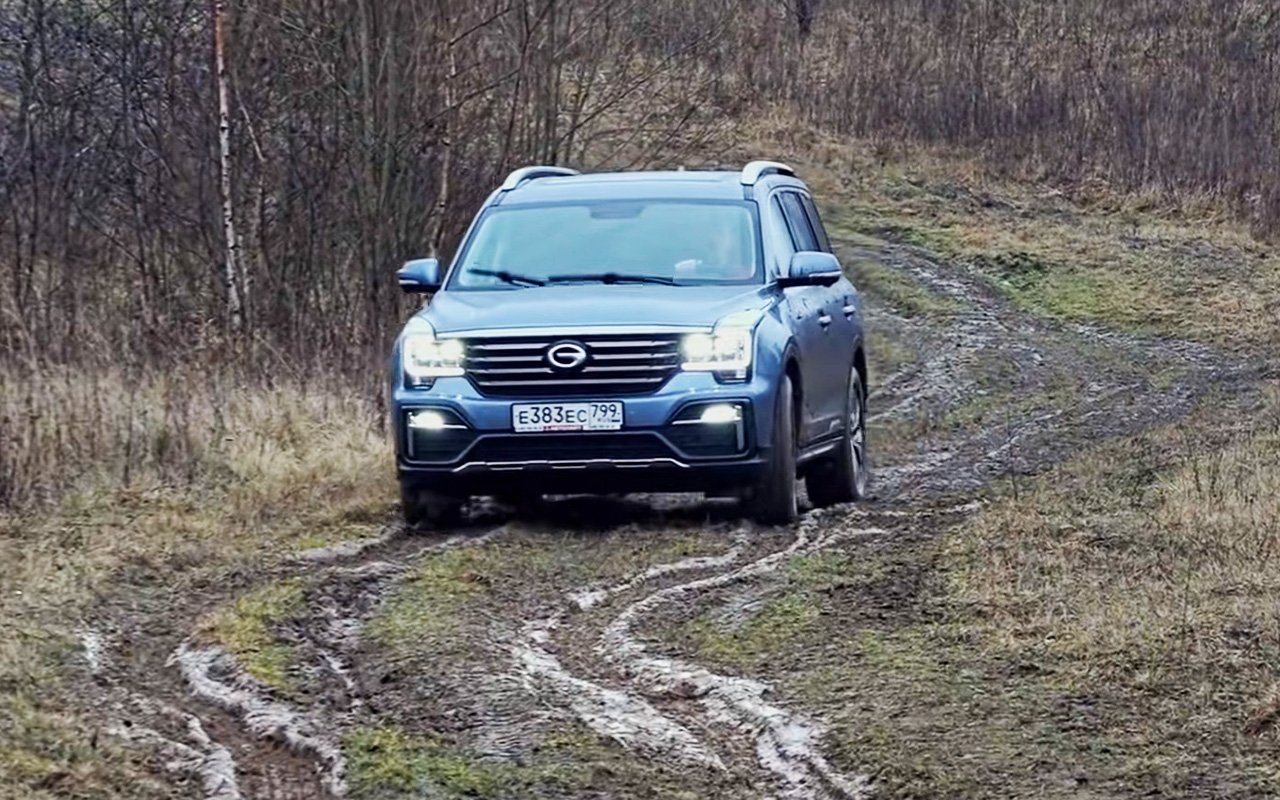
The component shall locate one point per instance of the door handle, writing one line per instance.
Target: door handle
(824, 320)
(850, 310)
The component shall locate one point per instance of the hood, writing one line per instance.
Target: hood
(589, 305)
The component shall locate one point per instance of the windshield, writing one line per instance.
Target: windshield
(611, 241)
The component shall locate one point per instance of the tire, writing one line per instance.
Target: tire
(774, 502)
(843, 477)
(425, 509)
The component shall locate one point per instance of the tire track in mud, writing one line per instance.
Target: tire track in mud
(213, 679)
(614, 714)
(209, 762)
(201, 757)
(786, 742)
(611, 713)
(1114, 379)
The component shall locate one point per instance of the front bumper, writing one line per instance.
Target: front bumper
(658, 449)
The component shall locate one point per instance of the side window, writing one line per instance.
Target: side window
(802, 234)
(784, 236)
(824, 244)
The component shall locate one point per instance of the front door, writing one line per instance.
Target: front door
(816, 314)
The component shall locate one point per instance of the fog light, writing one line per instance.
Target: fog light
(719, 414)
(427, 420)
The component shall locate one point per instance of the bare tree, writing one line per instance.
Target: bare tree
(231, 259)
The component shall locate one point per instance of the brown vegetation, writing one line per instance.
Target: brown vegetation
(359, 134)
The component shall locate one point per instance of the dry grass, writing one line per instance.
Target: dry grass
(154, 484)
(68, 430)
(1112, 630)
(1140, 573)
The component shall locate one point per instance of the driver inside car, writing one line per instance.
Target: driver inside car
(723, 259)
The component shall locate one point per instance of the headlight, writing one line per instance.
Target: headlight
(725, 351)
(425, 358)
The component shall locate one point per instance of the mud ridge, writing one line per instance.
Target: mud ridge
(349, 549)
(207, 760)
(628, 720)
(266, 718)
(786, 742)
(585, 599)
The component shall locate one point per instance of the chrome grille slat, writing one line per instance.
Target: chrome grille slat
(548, 371)
(525, 371)
(597, 381)
(629, 368)
(533, 358)
(505, 346)
(601, 344)
(637, 356)
(624, 364)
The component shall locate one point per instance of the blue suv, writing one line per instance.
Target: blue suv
(685, 331)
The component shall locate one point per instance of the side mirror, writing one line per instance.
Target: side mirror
(811, 268)
(419, 275)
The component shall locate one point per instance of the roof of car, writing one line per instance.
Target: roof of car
(692, 184)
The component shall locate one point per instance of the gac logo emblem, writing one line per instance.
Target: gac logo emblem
(566, 355)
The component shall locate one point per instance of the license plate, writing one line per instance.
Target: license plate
(544, 417)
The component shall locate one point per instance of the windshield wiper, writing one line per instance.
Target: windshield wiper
(611, 277)
(508, 277)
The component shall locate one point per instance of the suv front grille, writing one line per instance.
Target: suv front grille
(615, 365)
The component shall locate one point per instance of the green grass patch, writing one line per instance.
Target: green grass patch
(899, 290)
(1074, 292)
(47, 753)
(783, 623)
(391, 763)
(427, 608)
(779, 624)
(886, 355)
(454, 588)
(244, 629)
(385, 763)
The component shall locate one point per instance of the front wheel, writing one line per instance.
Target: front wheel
(774, 502)
(843, 477)
(427, 509)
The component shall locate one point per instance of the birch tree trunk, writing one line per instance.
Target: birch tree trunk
(446, 157)
(231, 266)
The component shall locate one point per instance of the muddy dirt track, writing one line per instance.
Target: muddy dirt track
(578, 635)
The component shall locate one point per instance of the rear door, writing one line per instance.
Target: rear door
(814, 319)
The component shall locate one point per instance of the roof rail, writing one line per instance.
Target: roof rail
(756, 170)
(523, 174)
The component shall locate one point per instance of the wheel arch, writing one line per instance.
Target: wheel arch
(791, 368)
(860, 364)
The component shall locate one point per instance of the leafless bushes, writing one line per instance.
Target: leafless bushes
(361, 133)
(1153, 94)
(365, 132)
